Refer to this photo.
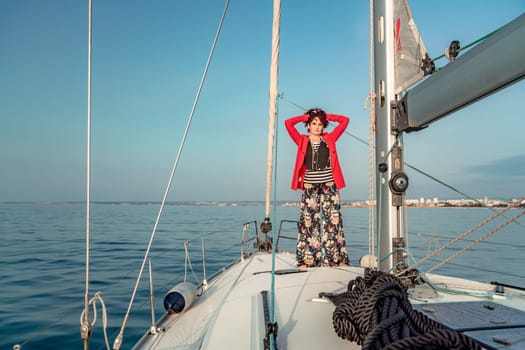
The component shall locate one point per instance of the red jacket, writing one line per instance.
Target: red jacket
(302, 144)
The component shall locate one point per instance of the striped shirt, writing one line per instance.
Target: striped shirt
(318, 169)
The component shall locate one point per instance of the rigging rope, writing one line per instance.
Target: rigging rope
(85, 328)
(461, 236)
(471, 44)
(274, 92)
(273, 324)
(458, 191)
(477, 241)
(375, 312)
(93, 302)
(432, 237)
(187, 262)
(118, 341)
(371, 159)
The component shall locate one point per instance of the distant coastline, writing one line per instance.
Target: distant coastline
(448, 203)
(412, 203)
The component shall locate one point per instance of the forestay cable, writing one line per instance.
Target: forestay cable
(274, 75)
(459, 192)
(85, 327)
(118, 341)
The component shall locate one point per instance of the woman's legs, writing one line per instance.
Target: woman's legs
(309, 250)
(333, 237)
(314, 248)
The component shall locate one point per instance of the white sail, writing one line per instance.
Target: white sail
(409, 49)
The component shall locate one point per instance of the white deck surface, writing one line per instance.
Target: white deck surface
(230, 314)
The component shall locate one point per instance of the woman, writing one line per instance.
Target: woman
(318, 174)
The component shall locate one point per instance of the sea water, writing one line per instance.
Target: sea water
(43, 258)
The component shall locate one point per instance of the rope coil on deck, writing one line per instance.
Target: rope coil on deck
(375, 312)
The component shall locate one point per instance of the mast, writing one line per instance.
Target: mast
(266, 225)
(391, 182)
(492, 65)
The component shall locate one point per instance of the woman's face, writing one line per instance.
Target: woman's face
(316, 127)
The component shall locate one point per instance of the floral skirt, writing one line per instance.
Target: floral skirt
(316, 247)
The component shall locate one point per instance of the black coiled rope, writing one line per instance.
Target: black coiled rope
(375, 312)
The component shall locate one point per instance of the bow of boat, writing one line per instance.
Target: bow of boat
(232, 311)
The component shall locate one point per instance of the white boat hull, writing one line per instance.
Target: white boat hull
(230, 313)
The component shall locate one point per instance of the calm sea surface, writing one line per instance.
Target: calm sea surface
(42, 259)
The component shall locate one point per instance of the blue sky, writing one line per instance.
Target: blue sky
(148, 58)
